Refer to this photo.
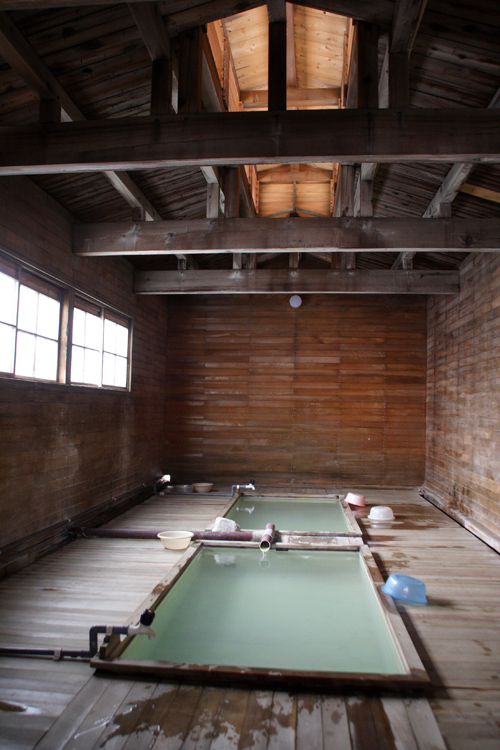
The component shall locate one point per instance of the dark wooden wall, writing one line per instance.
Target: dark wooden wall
(331, 392)
(463, 402)
(66, 449)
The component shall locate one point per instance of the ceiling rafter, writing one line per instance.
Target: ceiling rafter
(21, 56)
(453, 183)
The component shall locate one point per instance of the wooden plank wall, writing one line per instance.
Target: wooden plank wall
(333, 391)
(463, 402)
(66, 449)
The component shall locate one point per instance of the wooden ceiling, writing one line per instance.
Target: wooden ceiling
(95, 58)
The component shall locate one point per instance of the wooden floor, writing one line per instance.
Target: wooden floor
(51, 705)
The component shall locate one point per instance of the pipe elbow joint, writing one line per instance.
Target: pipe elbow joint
(141, 629)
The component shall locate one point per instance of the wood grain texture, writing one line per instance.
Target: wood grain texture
(336, 387)
(405, 135)
(463, 448)
(455, 633)
(279, 281)
(70, 448)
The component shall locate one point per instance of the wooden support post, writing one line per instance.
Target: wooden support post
(232, 204)
(213, 200)
(277, 70)
(293, 260)
(190, 71)
(366, 197)
(277, 66)
(232, 192)
(251, 261)
(348, 261)
(407, 261)
(347, 174)
(367, 68)
(161, 87)
(399, 83)
(49, 110)
(444, 211)
(138, 213)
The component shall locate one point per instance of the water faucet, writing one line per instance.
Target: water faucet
(249, 486)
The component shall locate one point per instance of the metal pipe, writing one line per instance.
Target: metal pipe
(230, 536)
(142, 627)
(115, 533)
(267, 537)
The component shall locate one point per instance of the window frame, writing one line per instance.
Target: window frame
(82, 302)
(69, 299)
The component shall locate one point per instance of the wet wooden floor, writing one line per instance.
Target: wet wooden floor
(51, 705)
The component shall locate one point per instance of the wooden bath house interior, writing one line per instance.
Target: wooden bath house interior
(255, 246)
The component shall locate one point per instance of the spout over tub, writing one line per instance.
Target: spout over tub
(267, 537)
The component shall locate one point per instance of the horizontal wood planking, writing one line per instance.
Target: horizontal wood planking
(336, 388)
(50, 605)
(65, 449)
(225, 138)
(463, 449)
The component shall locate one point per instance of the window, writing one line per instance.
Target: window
(30, 314)
(33, 338)
(100, 346)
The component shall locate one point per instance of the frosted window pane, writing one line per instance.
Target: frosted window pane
(93, 331)
(110, 336)
(76, 364)
(122, 340)
(108, 369)
(28, 309)
(121, 372)
(48, 317)
(25, 354)
(46, 359)
(7, 338)
(8, 299)
(78, 327)
(92, 367)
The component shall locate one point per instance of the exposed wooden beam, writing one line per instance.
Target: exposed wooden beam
(456, 177)
(481, 192)
(287, 235)
(294, 97)
(367, 67)
(449, 188)
(277, 57)
(213, 200)
(21, 56)
(247, 205)
(152, 28)
(291, 59)
(399, 79)
(150, 23)
(289, 174)
(252, 138)
(393, 85)
(305, 281)
(189, 14)
(407, 17)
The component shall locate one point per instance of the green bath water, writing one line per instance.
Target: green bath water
(290, 514)
(295, 609)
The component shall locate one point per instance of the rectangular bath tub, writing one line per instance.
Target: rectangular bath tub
(294, 619)
(323, 514)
